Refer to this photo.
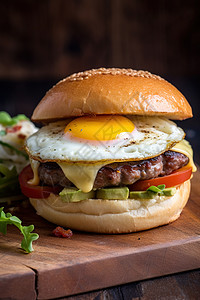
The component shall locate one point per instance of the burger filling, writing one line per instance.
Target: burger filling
(118, 174)
(115, 153)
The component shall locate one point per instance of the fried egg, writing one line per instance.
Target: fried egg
(104, 138)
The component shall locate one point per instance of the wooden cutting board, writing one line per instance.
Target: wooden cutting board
(60, 267)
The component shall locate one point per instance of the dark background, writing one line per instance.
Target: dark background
(43, 41)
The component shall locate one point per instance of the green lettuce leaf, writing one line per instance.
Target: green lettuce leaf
(9, 184)
(156, 189)
(19, 152)
(7, 120)
(8, 219)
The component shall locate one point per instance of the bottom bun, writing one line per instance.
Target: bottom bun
(114, 216)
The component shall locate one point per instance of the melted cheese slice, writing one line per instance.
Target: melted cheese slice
(34, 165)
(184, 147)
(83, 175)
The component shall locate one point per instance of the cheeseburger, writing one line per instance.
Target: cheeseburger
(108, 158)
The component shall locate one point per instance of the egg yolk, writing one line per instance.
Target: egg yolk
(102, 128)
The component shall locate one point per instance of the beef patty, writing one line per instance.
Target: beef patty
(119, 174)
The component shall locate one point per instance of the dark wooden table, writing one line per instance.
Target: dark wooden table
(178, 286)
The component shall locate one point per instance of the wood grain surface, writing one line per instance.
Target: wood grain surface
(51, 39)
(177, 286)
(87, 262)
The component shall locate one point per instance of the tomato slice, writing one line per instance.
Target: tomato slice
(34, 191)
(175, 178)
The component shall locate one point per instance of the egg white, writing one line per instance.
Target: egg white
(152, 136)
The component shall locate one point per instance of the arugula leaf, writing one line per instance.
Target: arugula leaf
(156, 189)
(14, 149)
(10, 187)
(8, 219)
(9, 184)
(7, 172)
(161, 187)
(28, 238)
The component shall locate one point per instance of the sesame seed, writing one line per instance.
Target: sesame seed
(111, 71)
